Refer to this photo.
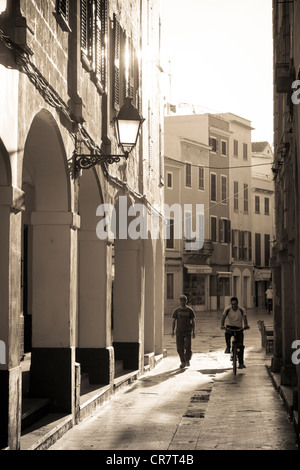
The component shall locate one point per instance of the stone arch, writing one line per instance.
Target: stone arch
(94, 350)
(51, 264)
(128, 290)
(45, 165)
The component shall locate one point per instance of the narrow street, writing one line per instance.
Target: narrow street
(203, 407)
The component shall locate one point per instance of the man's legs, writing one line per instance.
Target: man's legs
(188, 348)
(228, 335)
(180, 347)
(240, 345)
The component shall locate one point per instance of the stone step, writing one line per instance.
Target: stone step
(33, 409)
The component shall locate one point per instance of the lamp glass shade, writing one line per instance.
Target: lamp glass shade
(127, 132)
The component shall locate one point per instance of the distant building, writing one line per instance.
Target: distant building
(263, 218)
(209, 160)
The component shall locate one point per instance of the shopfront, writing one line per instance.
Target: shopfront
(196, 285)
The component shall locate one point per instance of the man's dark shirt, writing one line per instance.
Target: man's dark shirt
(183, 315)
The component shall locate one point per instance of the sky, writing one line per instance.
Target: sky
(221, 58)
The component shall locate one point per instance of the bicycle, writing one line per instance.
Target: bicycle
(234, 347)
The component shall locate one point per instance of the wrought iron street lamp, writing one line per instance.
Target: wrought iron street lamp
(127, 127)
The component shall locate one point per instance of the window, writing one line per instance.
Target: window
(188, 175)
(126, 68)
(150, 137)
(224, 189)
(245, 251)
(213, 144)
(250, 245)
(235, 195)
(213, 228)
(170, 180)
(170, 286)
(257, 205)
(93, 39)
(224, 230)
(257, 249)
(188, 225)
(267, 249)
(245, 151)
(201, 177)
(246, 198)
(267, 206)
(234, 237)
(213, 187)
(224, 147)
(235, 148)
(62, 14)
(170, 233)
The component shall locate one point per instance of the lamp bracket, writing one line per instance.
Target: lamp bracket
(85, 161)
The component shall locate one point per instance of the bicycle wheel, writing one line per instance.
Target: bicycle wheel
(234, 358)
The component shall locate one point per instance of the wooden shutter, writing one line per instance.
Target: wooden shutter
(117, 57)
(99, 33)
(62, 7)
(250, 245)
(84, 41)
(150, 137)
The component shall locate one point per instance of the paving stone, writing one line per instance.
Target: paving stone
(203, 407)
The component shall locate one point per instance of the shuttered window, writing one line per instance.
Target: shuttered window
(117, 63)
(213, 187)
(126, 79)
(235, 196)
(257, 249)
(150, 138)
(93, 39)
(62, 14)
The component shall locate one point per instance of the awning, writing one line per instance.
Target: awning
(198, 268)
(224, 273)
(262, 274)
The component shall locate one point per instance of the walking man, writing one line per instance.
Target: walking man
(183, 319)
(235, 318)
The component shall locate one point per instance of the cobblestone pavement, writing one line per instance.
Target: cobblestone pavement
(203, 407)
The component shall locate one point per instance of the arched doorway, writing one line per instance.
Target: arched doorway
(49, 250)
(94, 349)
(128, 291)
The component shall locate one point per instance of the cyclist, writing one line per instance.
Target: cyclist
(235, 318)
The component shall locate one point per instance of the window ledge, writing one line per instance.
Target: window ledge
(63, 23)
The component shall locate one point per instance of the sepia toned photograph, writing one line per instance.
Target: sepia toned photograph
(149, 229)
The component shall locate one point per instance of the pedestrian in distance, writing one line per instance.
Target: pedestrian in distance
(235, 318)
(269, 299)
(183, 320)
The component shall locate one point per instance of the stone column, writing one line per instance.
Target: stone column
(95, 352)
(54, 297)
(128, 303)
(11, 204)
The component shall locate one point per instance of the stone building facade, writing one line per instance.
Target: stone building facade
(71, 302)
(286, 249)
